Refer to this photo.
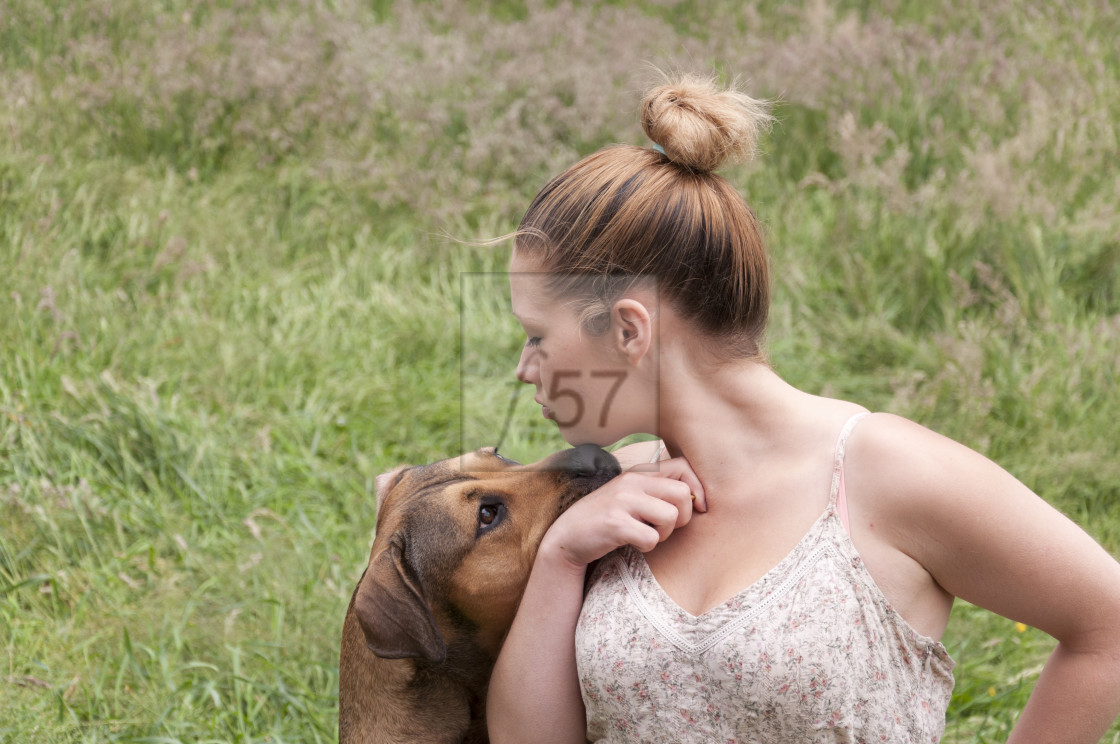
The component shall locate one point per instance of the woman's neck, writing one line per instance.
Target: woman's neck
(726, 419)
(746, 400)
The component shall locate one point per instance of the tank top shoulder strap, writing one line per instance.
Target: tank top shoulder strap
(836, 498)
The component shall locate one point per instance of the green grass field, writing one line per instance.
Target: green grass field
(239, 274)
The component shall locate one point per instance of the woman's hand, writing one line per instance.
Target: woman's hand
(636, 508)
(641, 456)
(535, 685)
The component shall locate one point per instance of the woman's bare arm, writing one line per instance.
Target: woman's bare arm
(534, 686)
(985, 537)
(534, 691)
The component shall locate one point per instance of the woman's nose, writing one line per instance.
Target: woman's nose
(528, 367)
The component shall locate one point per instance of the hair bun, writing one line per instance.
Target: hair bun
(701, 126)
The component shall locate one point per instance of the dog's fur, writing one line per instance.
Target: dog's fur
(454, 546)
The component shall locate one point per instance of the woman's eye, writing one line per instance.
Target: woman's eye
(533, 341)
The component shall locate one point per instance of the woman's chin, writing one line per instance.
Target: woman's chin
(576, 436)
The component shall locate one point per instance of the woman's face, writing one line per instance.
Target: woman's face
(583, 382)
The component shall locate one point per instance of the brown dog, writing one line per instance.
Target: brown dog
(454, 546)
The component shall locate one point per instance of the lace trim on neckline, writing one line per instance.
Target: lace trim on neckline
(725, 630)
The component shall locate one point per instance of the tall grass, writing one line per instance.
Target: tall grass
(227, 302)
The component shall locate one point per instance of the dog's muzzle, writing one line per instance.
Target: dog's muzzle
(588, 467)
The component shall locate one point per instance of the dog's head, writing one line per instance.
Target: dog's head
(455, 543)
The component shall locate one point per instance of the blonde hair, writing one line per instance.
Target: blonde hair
(702, 127)
(626, 213)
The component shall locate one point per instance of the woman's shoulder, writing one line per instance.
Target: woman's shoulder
(890, 455)
(980, 533)
(933, 497)
(888, 434)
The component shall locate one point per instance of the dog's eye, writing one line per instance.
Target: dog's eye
(489, 515)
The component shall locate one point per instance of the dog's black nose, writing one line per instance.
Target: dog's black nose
(587, 460)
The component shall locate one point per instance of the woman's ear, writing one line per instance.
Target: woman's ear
(631, 329)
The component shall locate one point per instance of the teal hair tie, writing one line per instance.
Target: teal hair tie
(659, 148)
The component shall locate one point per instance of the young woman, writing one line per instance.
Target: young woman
(787, 573)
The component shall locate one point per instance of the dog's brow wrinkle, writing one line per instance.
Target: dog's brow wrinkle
(437, 484)
(441, 475)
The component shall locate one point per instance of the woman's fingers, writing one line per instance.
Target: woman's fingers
(670, 488)
(675, 494)
(678, 469)
(643, 536)
(643, 522)
(662, 515)
(636, 509)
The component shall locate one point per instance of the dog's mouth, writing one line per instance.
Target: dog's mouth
(588, 483)
(588, 468)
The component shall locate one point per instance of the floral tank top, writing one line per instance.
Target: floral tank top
(811, 652)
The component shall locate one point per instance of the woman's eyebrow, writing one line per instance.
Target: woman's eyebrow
(524, 318)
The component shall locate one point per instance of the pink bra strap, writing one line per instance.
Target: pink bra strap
(837, 497)
(842, 505)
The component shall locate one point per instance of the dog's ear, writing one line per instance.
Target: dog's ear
(385, 482)
(393, 611)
